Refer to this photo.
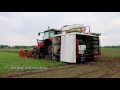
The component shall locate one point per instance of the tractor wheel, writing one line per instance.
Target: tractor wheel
(48, 52)
(27, 54)
(34, 53)
(49, 49)
(38, 52)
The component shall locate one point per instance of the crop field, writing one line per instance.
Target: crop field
(13, 66)
(9, 60)
(11, 50)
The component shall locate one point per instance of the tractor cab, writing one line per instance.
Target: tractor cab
(48, 36)
(49, 33)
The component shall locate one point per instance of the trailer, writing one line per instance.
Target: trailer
(76, 46)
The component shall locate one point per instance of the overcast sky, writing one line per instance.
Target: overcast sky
(21, 28)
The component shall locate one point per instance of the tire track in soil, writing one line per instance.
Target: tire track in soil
(87, 70)
(113, 69)
(69, 70)
(63, 73)
(29, 72)
(92, 74)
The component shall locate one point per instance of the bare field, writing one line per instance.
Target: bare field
(107, 66)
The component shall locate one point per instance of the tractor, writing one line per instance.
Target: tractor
(44, 47)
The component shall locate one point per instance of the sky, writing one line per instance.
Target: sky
(21, 28)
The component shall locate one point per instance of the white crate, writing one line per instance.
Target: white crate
(81, 51)
(82, 47)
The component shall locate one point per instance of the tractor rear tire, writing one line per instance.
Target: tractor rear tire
(48, 51)
(38, 52)
(34, 53)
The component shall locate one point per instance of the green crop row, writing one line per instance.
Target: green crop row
(10, 60)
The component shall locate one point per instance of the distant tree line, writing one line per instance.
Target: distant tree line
(14, 47)
(112, 46)
(4, 46)
(25, 47)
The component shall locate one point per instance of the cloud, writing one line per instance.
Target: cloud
(21, 28)
(10, 22)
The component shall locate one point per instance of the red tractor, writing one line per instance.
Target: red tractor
(44, 47)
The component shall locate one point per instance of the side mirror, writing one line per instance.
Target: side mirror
(37, 40)
(38, 34)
